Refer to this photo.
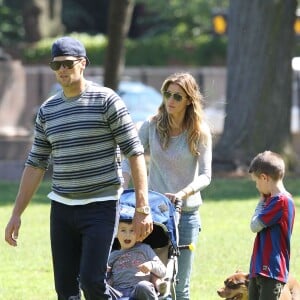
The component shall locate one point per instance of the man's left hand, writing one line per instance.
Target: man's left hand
(143, 225)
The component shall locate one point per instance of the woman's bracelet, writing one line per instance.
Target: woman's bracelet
(185, 193)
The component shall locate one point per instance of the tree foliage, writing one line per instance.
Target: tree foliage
(181, 19)
(11, 30)
(88, 16)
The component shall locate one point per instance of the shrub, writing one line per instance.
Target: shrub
(40, 52)
(160, 50)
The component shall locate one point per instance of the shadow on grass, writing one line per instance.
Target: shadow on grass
(243, 189)
(9, 191)
(229, 189)
(220, 189)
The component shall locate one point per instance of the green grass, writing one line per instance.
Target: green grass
(225, 243)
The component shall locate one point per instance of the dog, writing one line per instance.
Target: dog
(236, 288)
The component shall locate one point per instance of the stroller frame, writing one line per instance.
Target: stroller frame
(164, 237)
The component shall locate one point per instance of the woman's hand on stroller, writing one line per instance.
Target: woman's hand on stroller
(173, 197)
(143, 225)
(176, 199)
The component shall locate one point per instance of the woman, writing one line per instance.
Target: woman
(180, 146)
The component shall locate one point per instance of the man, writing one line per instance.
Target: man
(83, 127)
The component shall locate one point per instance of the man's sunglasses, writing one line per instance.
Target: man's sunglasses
(176, 97)
(56, 64)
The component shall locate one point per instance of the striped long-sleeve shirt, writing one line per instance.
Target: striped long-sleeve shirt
(271, 250)
(83, 137)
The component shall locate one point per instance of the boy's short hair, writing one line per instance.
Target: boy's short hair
(269, 163)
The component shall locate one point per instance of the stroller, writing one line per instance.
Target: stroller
(164, 237)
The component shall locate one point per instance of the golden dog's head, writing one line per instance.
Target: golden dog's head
(235, 287)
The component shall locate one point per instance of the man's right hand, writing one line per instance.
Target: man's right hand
(12, 230)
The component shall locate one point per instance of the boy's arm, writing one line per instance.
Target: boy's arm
(154, 266)
(158, 268)
(256, 225)
(108, 275)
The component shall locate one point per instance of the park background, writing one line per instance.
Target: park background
(241, 53)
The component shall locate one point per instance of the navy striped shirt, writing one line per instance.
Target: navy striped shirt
(83, 137)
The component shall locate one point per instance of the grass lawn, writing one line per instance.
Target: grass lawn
(225, 243)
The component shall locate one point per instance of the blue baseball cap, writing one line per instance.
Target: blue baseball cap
(67, 46)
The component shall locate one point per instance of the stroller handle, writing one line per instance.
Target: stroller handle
(190, 247)
(178, 205)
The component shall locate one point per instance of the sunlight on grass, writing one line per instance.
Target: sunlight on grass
(225, 243)
(26, 271)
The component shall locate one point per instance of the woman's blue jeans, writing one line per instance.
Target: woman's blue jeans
(189, 227)
(81, 239)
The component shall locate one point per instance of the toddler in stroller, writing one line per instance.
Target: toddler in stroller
(135, 269)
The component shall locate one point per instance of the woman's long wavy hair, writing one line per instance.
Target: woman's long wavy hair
(193, 118)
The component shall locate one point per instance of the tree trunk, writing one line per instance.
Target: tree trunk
(41, 18)
(259, 80)
(31, 13)
(120, 14)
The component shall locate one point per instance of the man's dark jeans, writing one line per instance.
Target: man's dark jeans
(81, 239)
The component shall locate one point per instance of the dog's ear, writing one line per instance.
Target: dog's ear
(247, 280)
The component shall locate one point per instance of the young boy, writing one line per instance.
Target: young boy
(133, 268)
(273, 221)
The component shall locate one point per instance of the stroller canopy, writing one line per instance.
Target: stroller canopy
(163, 214)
